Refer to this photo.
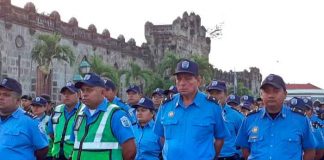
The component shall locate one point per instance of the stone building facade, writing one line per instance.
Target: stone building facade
(19, 28)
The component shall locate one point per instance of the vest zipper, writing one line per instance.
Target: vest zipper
(64, 132)
(82, 140)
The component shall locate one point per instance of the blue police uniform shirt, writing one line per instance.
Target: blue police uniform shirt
(130, 111)
(148, 144)
(120, 129)
(318, 131)
(189, 132)
(67, 115)
(284, 137)
(21, 136)
(233, 120)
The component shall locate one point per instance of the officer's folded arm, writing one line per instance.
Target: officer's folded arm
(41, 153)
(129, 149)
(309, 154)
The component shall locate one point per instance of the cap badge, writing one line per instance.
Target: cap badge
(37, 99)
(245, 98)
(87, 77)
(293, 101)
(141, 100)
(4, 81)
(171, 114)
(232, 97)
(270, 78)
(305, 100)
(214, 83)
(69, 84)
(185, 65)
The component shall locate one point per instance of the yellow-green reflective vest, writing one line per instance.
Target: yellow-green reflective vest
(62, 131)
(96, 140)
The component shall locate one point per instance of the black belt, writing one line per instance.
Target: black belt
(234, 157)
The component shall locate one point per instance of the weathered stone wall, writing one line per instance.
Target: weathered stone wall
(185, 36)
(250, 79)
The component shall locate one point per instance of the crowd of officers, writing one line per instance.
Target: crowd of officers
(181, 123)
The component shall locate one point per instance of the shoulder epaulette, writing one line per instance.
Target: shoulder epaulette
(299, 111)
(166, 100)
(253, 112)
(31, 115)
(316, 125)
(212, 99)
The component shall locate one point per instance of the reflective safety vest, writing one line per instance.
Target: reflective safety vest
(62, 131)
(96, 140)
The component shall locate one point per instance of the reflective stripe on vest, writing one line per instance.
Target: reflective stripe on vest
(59, 108)
(97, 144)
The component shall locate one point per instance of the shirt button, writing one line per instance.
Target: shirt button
(272, 124)
(270, 157)
(271, 145)
(272, 135)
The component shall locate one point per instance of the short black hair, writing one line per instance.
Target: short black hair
(47, 97)
(28, 97)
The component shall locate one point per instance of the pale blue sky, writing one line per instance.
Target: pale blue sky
(279, 36)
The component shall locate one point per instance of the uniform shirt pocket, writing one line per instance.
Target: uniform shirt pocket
(290, 142)
(256, 142)
(13, 138)
(201, 130)
(170, 128)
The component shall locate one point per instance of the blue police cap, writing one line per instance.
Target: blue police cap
(233, 99)
(134, 88)
(248, 99)
(308, 103)
(109, 84)
(158, 91)
(69, 86)
(275, 81)
(145, 103)
(246, 105)
(187, 66)
(217, 85)
(92, 80)
(296, 102)
(247, 102)
(172, 89)
(11, 84)
(39, 101)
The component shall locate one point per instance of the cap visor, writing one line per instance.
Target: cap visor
(272, 84)
(215, 88)
(184, 72)
(81, 83)
(134, 90)
(68, 88)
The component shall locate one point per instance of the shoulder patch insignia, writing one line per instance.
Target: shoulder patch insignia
(212, 99)
(31, 115)
(253, 112)
(299, 111)
(316, 125)
(125, 121)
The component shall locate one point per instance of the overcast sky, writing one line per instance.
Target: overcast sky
(284, 37)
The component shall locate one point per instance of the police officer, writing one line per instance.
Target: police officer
(259, 103)
(275, 131)
(148, 144)
(110, 94)
(134, 94)
(234, 101)
(39, 108)
(101, 130)
(60, 125)
(171, 91)
(189, 122)
(317, 127)
(247, 104)
(233, 120)
(21, 135)
(26, 101)
(157, 98)
(49, 106)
